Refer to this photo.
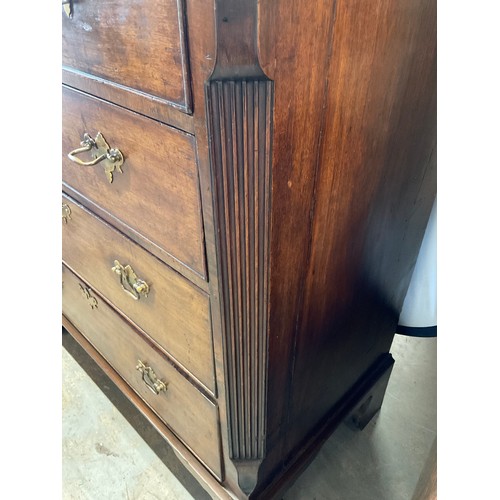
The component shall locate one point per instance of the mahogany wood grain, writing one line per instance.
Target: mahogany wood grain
(350, 130)
(374, 190)
(135, 45)
(202, 50)
(240, 131)
(353, 182)
(206, 479)
(239, 105)
(125, 97)
(191, 416)
(175, 314)
(294, 47)
(156, 199)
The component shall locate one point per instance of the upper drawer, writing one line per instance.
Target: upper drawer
(137, 45)
(156, 198)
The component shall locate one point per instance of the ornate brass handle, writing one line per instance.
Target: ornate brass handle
(66, 213)
(131, 284)
(112, 158)
(150, 379)
(92, 301)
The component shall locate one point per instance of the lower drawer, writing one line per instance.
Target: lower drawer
(186, 411)
(175, 314)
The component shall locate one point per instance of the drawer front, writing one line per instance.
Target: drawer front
(175, 314)
(137, 45)
(184, 409)
(156, 196)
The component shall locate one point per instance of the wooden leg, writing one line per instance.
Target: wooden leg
(360, 404)
(370, 403)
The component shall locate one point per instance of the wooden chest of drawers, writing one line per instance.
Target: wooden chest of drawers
(245, 188)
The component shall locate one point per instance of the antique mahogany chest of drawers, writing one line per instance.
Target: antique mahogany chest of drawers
(246, 184)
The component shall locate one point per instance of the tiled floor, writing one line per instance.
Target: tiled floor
(107, 456)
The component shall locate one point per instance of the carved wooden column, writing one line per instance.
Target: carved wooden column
(239, 99)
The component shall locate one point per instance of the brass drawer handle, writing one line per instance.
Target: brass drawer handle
(112, 158)
(150, 379)
(66, 213)
(131, 284)
(92, 301)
